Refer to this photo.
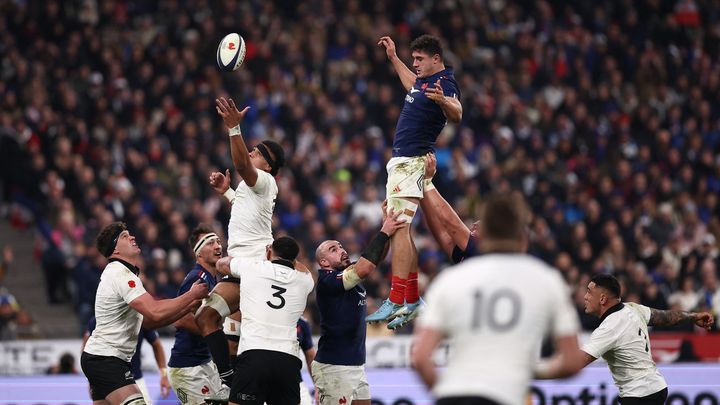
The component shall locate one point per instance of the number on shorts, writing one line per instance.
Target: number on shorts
(278, 294)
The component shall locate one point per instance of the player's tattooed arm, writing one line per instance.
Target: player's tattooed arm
(673, 317)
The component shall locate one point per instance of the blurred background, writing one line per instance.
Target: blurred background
(604, 114)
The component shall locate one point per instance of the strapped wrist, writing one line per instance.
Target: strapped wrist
(429, 184)
(234, 131)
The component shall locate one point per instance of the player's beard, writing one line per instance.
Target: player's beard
(343, 265)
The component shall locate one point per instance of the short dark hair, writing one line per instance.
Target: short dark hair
(201, 229)
(107, 238)
(286, 248)
(608, 282)
(504, 217)
(428, 44)
(278, 154)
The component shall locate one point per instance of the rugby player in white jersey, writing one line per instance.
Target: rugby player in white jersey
(515, 300)
(622, 340)
(274, 296)
(122, 306)
(249, 230)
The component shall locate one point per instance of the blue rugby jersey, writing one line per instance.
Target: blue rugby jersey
(342, 321)
(145, 334)
(189, 349)
(421, 119)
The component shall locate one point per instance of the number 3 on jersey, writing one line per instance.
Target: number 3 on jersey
(278, 294)
(499, 312)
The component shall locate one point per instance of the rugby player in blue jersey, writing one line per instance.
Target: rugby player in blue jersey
(192, 373)
(432, 100)
(339, 367)
(454, 237)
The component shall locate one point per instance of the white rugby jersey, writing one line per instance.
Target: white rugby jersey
(118, 325)
(622, 340)
(251, 215)
(495, 310)
(273, 298)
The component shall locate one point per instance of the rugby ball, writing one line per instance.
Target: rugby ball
(231, 52)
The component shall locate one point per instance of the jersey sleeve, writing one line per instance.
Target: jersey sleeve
(642, 310)
(564, 320)
(263, 183)
(601, 341)
(149, 335)
(304, 335)
(330, 282)
(126, 284)
(433, 317)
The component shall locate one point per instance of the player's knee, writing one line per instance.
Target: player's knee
(406, 206)
(134, 399)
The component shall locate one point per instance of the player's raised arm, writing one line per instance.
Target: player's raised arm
(240, 155)
(444, 223)
(407, 77)
(374, 252)
(158, 313)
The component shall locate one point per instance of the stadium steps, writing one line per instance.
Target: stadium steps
(26, 282)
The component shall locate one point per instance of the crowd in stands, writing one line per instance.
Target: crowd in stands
(604, 114)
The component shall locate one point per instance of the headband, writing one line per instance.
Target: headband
(199, 245)
(266, 154)
(111, 248)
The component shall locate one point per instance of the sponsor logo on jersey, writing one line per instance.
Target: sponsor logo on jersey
(409, 99)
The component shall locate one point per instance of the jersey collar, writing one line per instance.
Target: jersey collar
(131, 267)
(283, 262)
(433, 78)
(612, 310)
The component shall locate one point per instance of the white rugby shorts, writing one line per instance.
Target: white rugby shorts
(249, 251)
(335, 383)
(406, 177)
(193, 384)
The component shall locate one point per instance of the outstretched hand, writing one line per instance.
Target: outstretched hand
(199, 290)
(704, 320)
(391, 223)
(220, 182)
(436, 93)
(229, 112)
(389, 45)
(430, 165)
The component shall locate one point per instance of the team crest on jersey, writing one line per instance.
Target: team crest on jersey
(424, 86)
(205, 389)
(342, 401)
(131, 283)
